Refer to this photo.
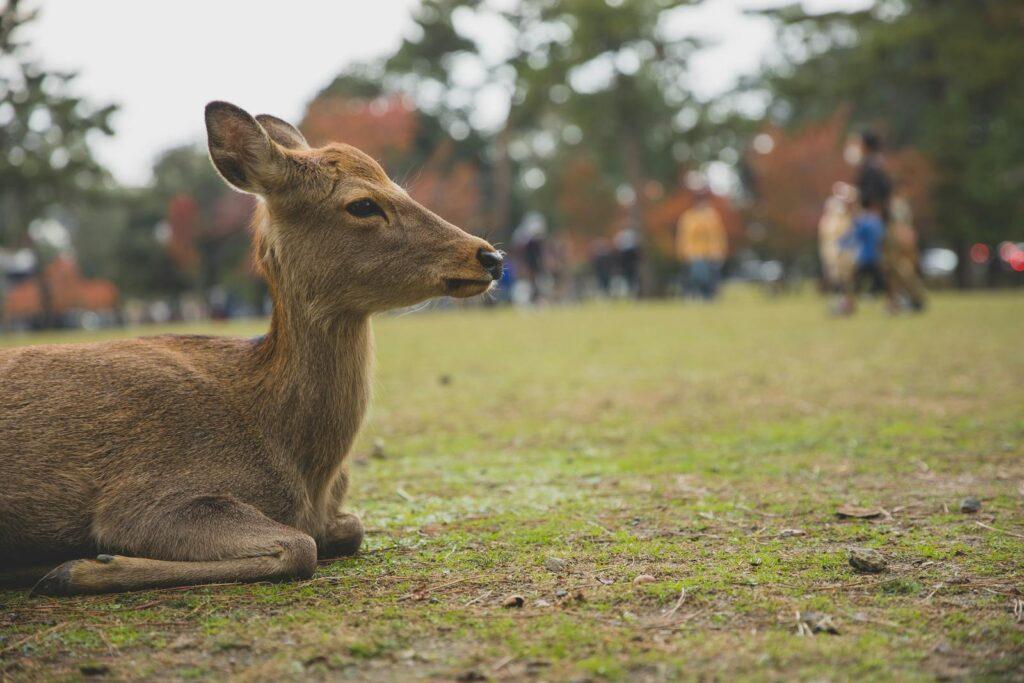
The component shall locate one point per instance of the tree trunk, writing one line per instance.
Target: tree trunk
(501, 227)
(47, 314)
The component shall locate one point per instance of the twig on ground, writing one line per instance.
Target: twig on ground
(432, 589)
(675, 607)
(480, 597)
(756, 512)
(1001, 531)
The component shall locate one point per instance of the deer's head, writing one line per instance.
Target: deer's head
(332, 230)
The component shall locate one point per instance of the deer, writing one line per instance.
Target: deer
(179, 460)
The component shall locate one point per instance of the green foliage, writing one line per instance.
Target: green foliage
(45, 157)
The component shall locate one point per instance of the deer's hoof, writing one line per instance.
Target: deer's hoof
(57, 582)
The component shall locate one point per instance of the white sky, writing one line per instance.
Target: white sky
(163, 60)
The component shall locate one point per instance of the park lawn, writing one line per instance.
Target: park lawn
(707, 447)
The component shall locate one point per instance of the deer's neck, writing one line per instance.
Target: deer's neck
(316, 380)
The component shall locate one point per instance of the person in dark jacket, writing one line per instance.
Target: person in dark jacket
(874, 187)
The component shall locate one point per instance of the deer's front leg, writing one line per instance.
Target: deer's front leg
(343, 537)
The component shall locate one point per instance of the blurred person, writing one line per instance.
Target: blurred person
(702, 246)
(900, 259)
(627, 252)
(864, 243)
(835, 222)
(865, 240)
(556, 265)
(601, 263)
(529, 239)
(874, 186)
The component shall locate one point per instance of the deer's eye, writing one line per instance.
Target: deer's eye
(364, 208)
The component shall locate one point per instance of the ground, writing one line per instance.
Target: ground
(560, 454)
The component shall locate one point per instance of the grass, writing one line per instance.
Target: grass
(705, 447)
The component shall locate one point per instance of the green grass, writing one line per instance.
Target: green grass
(708, 447)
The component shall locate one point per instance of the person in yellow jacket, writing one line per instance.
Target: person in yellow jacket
(702, 246)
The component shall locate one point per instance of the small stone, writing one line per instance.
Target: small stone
(970, 505)
(867, 560)
(378, 449)
(542, 603)
(644, 578)
(513, 602)
(555, 564)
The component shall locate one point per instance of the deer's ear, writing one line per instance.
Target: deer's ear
(282, 132)
(241, 150)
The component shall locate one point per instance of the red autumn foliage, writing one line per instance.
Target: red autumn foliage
(70, 291)
(586, 205)
(793, 180)
(450, 189)
(384, 128)
(183, 219)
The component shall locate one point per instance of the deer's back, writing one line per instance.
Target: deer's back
(86, 427)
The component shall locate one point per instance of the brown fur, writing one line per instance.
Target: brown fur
(187, 459)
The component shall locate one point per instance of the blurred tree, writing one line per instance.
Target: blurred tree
(45, 158)
(608, 76)
(585, 202)
(581, 78)
(206, 223)
(945, 76)
(793, 173)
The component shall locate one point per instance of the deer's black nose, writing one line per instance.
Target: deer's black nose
(491, 261)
